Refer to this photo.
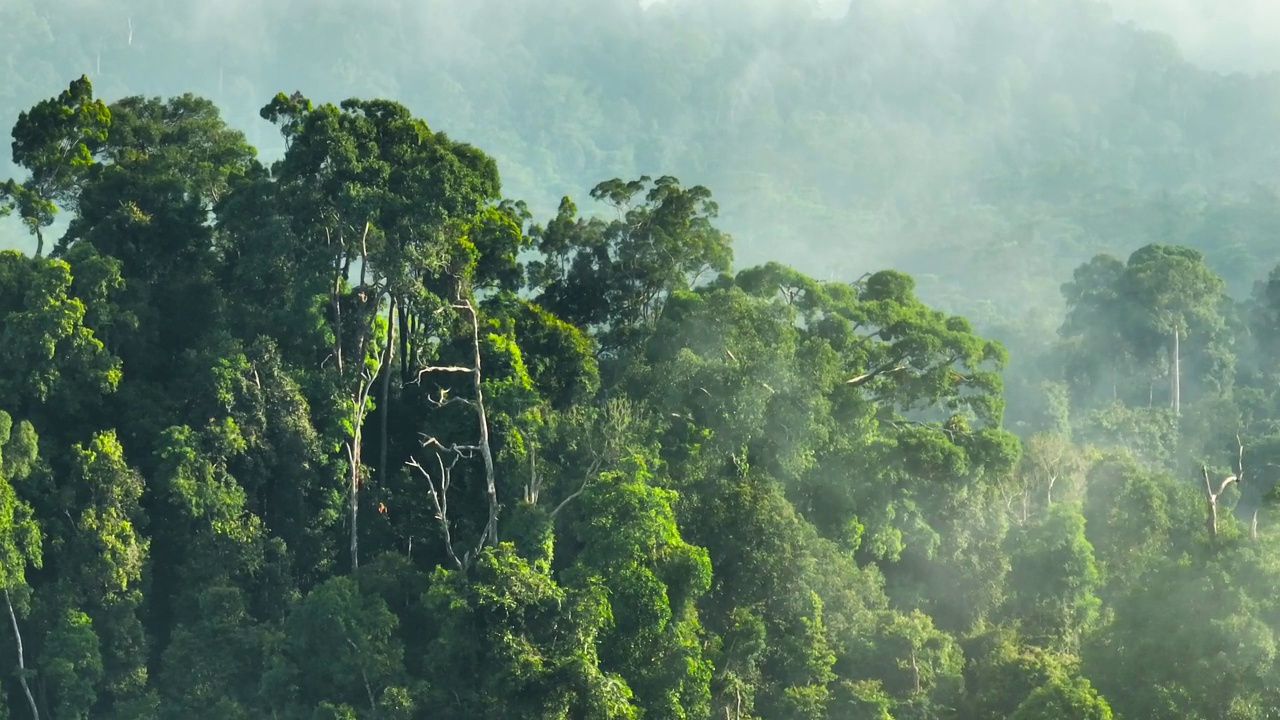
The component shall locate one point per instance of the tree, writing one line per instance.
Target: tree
(1053, 579)
(366, 183)
(55, 141)
(510, 642)
(1172, 293)
(1096, 319)
(20, 541)
(1061, 697)
(614, 277)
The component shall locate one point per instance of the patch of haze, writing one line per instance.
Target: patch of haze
(1234, 36)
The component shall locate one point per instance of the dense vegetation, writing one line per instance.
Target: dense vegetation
(343, 429)
(354, 436)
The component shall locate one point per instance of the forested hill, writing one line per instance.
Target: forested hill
(320, 420)
(354, 436)
(960, 140)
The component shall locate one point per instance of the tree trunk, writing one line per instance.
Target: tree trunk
(1211, 497)
(353, 499)
(1177, 375)
(403, 315)
(22, 662)
(39, 241)
(491, 529)
(1253, 525)
(387, 370)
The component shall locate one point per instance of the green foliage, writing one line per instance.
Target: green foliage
(592, 473)
(53, 358)
(1073, 698)
(511, 643)
(614, 277)
(1053, 578)
(73, 665)
(55, 141)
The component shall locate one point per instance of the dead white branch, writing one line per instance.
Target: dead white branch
(490, 534)
(586, 480)
(440, 502)
(1212, 521)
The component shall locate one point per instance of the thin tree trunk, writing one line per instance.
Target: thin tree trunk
(387, 370)
(22, 662)
(1211, 497)
(335, 300)
(39, 241)
(353, 500)
(363, 385)
(1253, 525)
(403, 315)
(491, 530)
(1177, 375)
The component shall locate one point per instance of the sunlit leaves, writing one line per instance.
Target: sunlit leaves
(49, 353)
(20, 542)
(55, 141)
(612, 277)
(511, 643)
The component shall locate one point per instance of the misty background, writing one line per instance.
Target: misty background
(985, 146)
(783, 497)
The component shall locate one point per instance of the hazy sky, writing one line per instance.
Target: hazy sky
(1227, 35)
(1224, 35)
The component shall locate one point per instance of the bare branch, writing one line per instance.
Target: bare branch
(440, 400)
(439, 495)
(491, 489)
(586, 480)
(442, 368)
(440, 502)
(873, 374)
(1240, 459)
(1225, 482)
(1211, 497)
(373, 705)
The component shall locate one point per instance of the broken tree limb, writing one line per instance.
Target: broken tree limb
(1212, 497)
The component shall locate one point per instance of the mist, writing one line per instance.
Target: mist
(745, 359)
(1234, 37)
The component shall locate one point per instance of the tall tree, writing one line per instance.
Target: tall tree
(1172, 293)
(371, 190)
(55, 141)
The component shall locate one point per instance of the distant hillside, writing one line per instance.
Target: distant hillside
(987, 146)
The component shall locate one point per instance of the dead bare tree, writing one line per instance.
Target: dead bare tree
(1211, 522)
(438, 488)
(1211, 496)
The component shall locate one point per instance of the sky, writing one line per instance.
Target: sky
(1223, 35)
